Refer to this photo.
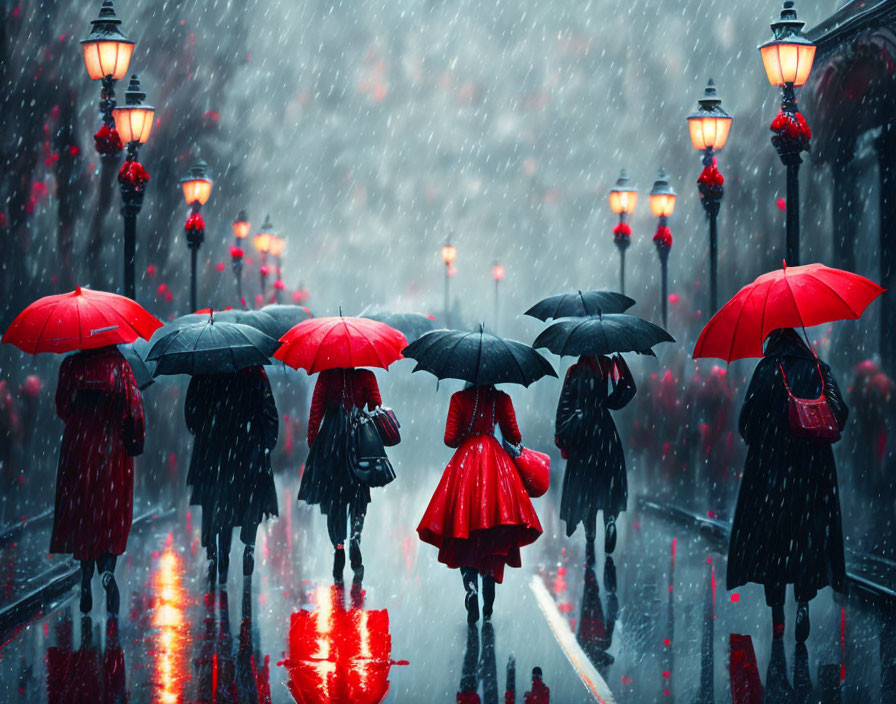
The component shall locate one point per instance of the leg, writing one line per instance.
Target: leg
(336, 527)
(609, 532)
(488, 596)
(86, 594)
(590, 523)
(358, 514)
(774, 597)
(471, 585)
(247, 535)
(106, 566)
(803, 596)
(224, 539)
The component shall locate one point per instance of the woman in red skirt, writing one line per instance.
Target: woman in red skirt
(480, 515)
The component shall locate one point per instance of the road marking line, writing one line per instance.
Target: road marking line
(586, 671)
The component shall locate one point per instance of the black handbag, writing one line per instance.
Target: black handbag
(366, 453)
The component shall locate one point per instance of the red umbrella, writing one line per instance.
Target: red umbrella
(318, 344)
(792, 297)
(80, 320)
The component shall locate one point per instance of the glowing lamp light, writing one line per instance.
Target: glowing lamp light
(277, 245)
(623, 197)
(662, 196)
(449, 254)
(133, 120)
(241, 226)
(709, 126)
(107, 52)
(788, 56)
(498, 272)
(197, 186)
(262, 240)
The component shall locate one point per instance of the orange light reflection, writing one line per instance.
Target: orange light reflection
(169, 601)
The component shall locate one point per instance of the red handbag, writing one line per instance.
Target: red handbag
(387, 426)
(811, 418)
(534, 469)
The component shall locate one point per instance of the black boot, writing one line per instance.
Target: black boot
(112, 595)
(778, 621)
(354, 555)
(801, 630)
(610, 535)
(488, 597)
(338, 563)
(86, 590)
(248, 560)
(471, 600)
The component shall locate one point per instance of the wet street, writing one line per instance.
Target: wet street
(669, 632)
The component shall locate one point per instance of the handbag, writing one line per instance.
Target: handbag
(366, 453)
(387, 426)
(811, 418)
(533, 467)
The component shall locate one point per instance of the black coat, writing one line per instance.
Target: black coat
(234, 420)
(787, 522)
(595, 476)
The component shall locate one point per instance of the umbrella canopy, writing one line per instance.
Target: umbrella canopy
(340, 342)
(254, 318)
(792, 297)
(211, 348)
(602, 334)
(135, 354)
(478, 357)
(413, 325)
(80, 320)
(579, 304)
(286, 316)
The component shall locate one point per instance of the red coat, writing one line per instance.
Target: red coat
(100, 403)
(353, 387)
(480, 514)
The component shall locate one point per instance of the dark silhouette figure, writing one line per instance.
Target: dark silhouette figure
(595, 628)
(539, 693)
(467, 692)
(595, 478)
(234, 422)
(787, 526)
(480, 514)
(100, 403)
(328, 481)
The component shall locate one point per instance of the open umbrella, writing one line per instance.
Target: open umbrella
(601, 334)
(211, 348)
(135, 354)
(413, 325)
(478, 357)
(792, 297)
(286, 316)
(254, 318)
(340, 342)
(578, 304)
(80, 320)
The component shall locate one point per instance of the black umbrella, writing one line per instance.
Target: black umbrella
(211, 347)
(602, 334)
(579, 304)
(413, 325)
(254, 318)
(286, 316)
(477, 357)
(135, 355)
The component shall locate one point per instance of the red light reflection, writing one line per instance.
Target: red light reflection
(171, 633)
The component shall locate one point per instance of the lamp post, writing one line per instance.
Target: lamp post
(449, 254)
(709, 128)
(278, 244)
(262, 242)
(662, 204)
(497, 274)
(788, 59)
(241, 228)
(623, 198)
(133, 122)
(197, 187)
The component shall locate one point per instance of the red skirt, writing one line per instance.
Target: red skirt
(480, 514)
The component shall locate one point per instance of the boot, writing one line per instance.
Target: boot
(248, 560)
(801, 630)
(112, 595)
(354, 554)
(488, 597)
(610, 535)
(778, 621)
(338, 563)
(86, 590)
(590, 557)
(610, 575)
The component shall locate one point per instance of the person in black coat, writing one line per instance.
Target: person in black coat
(234, 420)
(595, 478)
(787, 526)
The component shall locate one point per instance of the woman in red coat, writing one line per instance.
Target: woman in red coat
(480, 515)
(327, 480)
(100, 403)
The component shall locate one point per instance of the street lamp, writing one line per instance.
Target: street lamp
(497, 274)
(662, 204)
(449, 254)
(262, 242)
(623, 198)
(133, 122)
(709, 128)
(197, 188)
(278, 244)
(788, 59)
(241, 229)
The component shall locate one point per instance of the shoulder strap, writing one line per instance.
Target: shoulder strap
(787, 386)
